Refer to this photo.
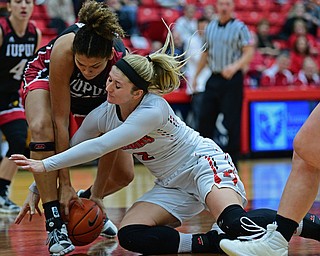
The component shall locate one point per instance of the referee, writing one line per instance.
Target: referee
(229, 49)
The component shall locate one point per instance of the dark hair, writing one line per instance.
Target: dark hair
(203, 19)
(295, 45)
(95, 38)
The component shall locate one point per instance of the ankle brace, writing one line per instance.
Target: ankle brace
(208, 242)
(52, 215)
(311, 227)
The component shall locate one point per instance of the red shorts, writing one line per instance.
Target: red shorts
(74, 123)
(34, 85)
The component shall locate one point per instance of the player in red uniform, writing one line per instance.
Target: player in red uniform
(19, 40)
(67, 79)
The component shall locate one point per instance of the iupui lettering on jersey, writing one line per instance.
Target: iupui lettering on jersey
(15, 51)
(20, 50)
(140, 143)
(80, 88)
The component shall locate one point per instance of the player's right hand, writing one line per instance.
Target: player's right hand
(31, 205)
(99, 202)
(67, 194)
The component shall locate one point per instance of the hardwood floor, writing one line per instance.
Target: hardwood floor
(264, 181)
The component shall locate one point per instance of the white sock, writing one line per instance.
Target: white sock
(299, 229)
(185, 244)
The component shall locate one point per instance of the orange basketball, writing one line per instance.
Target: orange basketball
(85, 224)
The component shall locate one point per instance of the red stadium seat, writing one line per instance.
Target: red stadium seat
(149, 3)
(191, 2)
(170, 15)
(276, 18)
(150, 24)
(253, 18)
(40, 12)
(154, 30)
(46, 39)
(207, 2)
(147, 14)
(263, 5)
(244, 5)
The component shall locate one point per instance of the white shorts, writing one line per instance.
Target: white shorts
(183, 194)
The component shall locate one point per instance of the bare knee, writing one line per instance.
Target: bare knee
(301, 151)
(41, 129)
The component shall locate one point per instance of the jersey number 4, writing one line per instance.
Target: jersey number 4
(18, 69)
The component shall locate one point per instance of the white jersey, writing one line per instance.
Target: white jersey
(152, 133)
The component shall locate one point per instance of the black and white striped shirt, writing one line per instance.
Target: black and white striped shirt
(225, 42)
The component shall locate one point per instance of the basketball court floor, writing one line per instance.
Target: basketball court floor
(264, 180)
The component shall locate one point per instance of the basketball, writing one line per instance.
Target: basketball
(85, 224)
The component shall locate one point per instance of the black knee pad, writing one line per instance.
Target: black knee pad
(149, 240)
(17, 144)
(262, 217)
(42, 146)
(229, 220)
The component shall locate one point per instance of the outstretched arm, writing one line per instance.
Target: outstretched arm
(135, 127)
(34, 166)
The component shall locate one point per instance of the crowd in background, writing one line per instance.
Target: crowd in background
(288, 56)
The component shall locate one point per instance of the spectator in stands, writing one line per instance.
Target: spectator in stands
(313, 15)
(131, 7)
(196, 43)
(309, 74)
(300, 50)
(258, 64)
(278, 74)
(155, 46)
(126, 16)
(208, 12)
(299, 28)
(178, 42)
(298, 11)
(61, 13)
(186, 25)
(171, 3)
(265, 43)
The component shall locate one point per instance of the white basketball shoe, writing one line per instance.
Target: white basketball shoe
(272, 243)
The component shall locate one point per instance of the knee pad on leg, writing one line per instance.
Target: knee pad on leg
(229, 220)
(42, 146)
(149, 240)
(16, 145)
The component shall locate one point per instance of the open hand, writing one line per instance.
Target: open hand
(31, 165)
(31, 205)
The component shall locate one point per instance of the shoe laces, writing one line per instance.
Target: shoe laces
(56, 235)
(250, 226)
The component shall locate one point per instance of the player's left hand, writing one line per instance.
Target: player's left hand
(31, 165)
(30, 205)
